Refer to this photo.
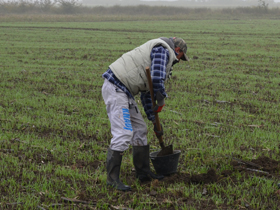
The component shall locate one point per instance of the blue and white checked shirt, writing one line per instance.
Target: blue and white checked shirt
(159, 58)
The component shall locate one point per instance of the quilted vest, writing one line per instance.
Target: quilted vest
(130, 68)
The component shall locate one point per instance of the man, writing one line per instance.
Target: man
(124, 79)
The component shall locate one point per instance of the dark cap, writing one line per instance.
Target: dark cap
(179, 42)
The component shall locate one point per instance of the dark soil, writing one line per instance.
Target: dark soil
(262, 165)
(204, 178)
(267, 164)
(209, 177)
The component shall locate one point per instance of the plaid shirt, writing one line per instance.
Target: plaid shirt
(159, 58)
(110, 76)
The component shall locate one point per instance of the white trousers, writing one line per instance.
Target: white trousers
(127, 123)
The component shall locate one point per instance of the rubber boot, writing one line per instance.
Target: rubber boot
(141, 161)
(114, 160)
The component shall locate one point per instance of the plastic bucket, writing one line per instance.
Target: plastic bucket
(167, 164)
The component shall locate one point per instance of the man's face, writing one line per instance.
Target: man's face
(180, 53)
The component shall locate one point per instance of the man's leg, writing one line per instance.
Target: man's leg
(141, 151)
(139, 126)
(118, 112)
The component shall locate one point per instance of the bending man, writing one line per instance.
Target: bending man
(126, 78)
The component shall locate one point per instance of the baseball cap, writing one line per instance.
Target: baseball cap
(179, 42)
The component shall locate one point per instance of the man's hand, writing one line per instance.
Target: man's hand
(160, 102)
(158, 133)
(158, 108)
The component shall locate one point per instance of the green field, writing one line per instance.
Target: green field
(222, 105)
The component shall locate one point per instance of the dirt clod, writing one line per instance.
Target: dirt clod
(268, 164)
(209, 177)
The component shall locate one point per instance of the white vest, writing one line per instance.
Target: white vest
(130, 68)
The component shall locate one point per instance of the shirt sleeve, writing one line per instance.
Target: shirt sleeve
(159, 58)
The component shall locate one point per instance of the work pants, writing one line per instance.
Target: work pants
(127, 123)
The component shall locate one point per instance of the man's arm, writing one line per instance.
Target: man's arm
(159, 58)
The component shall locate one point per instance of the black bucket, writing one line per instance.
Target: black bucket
(167, 164)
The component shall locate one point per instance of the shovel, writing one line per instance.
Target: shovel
(164, 150)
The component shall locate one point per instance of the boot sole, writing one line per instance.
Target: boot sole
(121, 189)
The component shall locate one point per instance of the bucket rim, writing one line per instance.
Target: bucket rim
(154, 154)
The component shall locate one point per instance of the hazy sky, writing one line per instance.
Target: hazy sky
(140, 0)
(177, 0)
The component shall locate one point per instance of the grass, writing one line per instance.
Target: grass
(55, 130)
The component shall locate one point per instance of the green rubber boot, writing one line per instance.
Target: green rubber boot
(141, 161)
(114, 160)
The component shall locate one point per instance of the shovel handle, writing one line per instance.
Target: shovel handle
(161, 143)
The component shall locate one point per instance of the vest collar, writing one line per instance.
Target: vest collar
(169, 42)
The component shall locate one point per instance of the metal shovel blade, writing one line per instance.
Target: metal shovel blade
(168, 150)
